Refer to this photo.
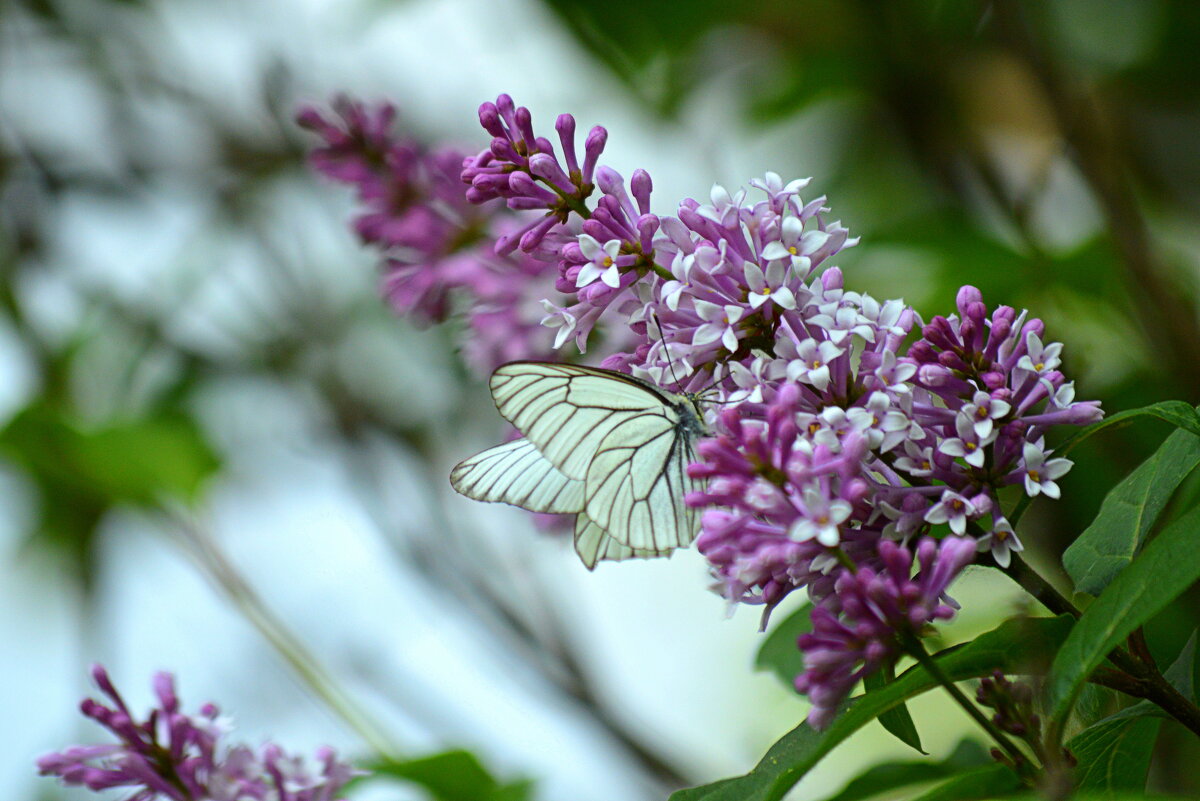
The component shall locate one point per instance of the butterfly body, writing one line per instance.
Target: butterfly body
(610, 448)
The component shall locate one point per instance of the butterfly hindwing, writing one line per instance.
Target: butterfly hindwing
(637, 481)
(518, 474)
(594, 544)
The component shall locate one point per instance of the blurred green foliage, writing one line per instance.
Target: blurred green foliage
(82, 471)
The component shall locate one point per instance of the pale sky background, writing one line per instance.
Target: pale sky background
(290, 509)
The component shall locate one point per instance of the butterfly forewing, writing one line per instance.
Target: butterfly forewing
(567, 410)
(517, 473)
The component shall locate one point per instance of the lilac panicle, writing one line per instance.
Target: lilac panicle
(522, 168)
(858, 627)
(173, 755)
(435, 245)
(842, 427)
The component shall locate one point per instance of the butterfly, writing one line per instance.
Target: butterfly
(610, 448)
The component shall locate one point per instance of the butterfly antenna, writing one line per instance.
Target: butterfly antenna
(663, 339)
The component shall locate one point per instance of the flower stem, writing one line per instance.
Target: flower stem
(917, 651)
(1037, 586)
(1147, 682)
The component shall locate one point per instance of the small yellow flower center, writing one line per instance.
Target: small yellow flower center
(981, 413)
(957, 505)
(792, 250)
(608, 261)
(925, 465)
(1001, 534)
(1039, 366)
(823, 520)
(1036, 476)
(970, 446)
(766, 290)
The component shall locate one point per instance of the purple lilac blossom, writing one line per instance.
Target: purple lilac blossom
(435, 246)
(833, 433)
(172, 755)
(860, 626)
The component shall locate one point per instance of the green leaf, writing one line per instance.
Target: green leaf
(1178, 413)
(779, 652)
(450, 776)
(897, 721)
(1129, 511)
(987, 781)
(1114, 754)
(1168, 566)
(1007, 647)
(893, 775)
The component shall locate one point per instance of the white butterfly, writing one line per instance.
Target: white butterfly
(607, 447)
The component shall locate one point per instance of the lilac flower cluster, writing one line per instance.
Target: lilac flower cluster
(840, 424)
(860, 628)
(172, 755)
(435, 245)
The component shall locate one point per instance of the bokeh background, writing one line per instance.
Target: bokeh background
(223, 456)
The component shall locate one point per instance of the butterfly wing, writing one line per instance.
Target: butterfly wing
(637, 480)
(594, 544)
(567, 410)
(518, 474)
(604, 445)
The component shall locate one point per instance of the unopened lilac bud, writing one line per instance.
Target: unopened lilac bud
(993, 380)
(967, 295)
(522, 184)
(523, 120)
(502, 149)
(533, 237)
(933, 375)
(546, 167)
(596, 229)
(1034, 326)
(647, 226)
(640, 186)
(593, 146)
(565, 125)
(832, 279)
(164, 688)
(489, 118)
(952, 361)
(609, 181)
(922, 351)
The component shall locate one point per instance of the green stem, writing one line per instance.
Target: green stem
(1032, 582)
(305, 664)
(917, 651)
(1149, 682)
(660, 271)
